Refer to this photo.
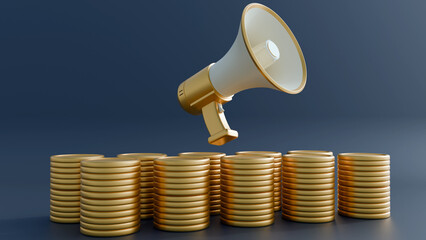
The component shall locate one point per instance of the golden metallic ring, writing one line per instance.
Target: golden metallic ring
(181, 198)
(181, 192)
(307, 158)
(251, 161)
(181, 161)
(110, 195)
(260, 223)
(182, 204)
(307, 208)
(364, 189)
(112, 214)
(147, 210)
(308, 164)
(147, 164)
(142, 156)
(308, 198)
(363, 179)
(182, 222)
(65, 214)
(65, 170)
(146, 190)
(182, 185)
(147, 179)
(109, 208)
(182, 210)
(110, 163)
(363, 184)
(257, 189)
(166, 174)
(246, 172)
(147, 200)
(277, 165)
(64, 209)
(112, 176)
(308, 181)
(308, 175)
(211, 155)
(228, 211)
(147, 205)
(65, 186)
(214, 176)
(214, 197)
(147, 174)
(64, 219)
(65, 175)
(308, 203)
(364, 200)
(247, 166)
(147, 168)
(177, 216)
(215, 202)
(110, 170)
(147, 195)
(181, 168)
(364, 156)
(308, 219)
(73, 158)
(364, 215)
(311, 152)
(109, 233)
(215, 172)
(257, 206)
(363, 168)
(246, 200)
(364, 210)
(146, 184)
(247, 178)
(246, 183)
(65, 181)
(308, 170)
(175, 228)
(364, 163)
(65, 198)
(64, 204)
(65, 165)
(110, 189)
(109, 226)
(215, 187)
(64, 192)
(277, 179)
(248, 218)
(307, 192)
(215, 162)
(364, 174)
(363, 205)
(308, 186)
(119, 220)
(247, 195)
(364, 195)
(259, 154)
(309, 214)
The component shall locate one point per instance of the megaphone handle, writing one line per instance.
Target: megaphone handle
(220, 132)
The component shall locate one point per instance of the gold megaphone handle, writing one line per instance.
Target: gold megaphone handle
(214, 117)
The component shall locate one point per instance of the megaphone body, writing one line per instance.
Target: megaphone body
(265, 54)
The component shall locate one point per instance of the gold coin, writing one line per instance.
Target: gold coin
(214, 197)
(181, 192)
(109, 208)
(166, 174)
(174, 228)
(277, 179)
(64, 192)
(64, 209)
(215, 187)
(364, 156)
(308, 164)
(246, 183)
(111, 176)
(147, 200)
(277, 186)
(364, 200)
(246, 200)
(257, 206)
(210, 155)
(308, 170)
(181, 198)
(214, 167)
(65, 198)
(110, 195)
(363, 179)
(109, 233)
(288, 207)
(309, 214)
(213, 192)
(247, 166)
(364, 163)
(215, 172)
(364, 210)
(308, 175)
(147, 179)
(261, 223)
(109, 202)
(247, 195)
(110, 163)
(178, 216)
(363, 184)
(110, 189)
(260, 153)
(65, 175)
(363, 205)
(64, 203)
(181, 161)
(363, 168)
(141, 156)
(118, 220)
(73, 158)
(246, 172)
(258, 189)
(215, 162)
(109, 226)
(224, 210)
(147, 195)
(181, 168)
(65, 214)
(182, 204)
(65, 186)
(364, 189)
(364, 195)
(308, 181)
(146, 184)
(147, 165)
(278, 165)
(110, 170)
(363, 174)
(145, 174)
(248, 160)
(147, 211)
(248, 218)
(364, 215)
(306, 158)
(295, 202)
(110, 214)
(146, 190)
(65, 170)
(147, 216)
(182, 185)
(181, 210)
(247, 178)
(214, 202)
(147, 205)
(65, 181)
(214, 176)
(277, 208)
(307, 192)
(308, 219)
(308, 198)
(64, 219)
(215, 212)
(172, 222)
(302, 186)
(311, 152)
(65, 165)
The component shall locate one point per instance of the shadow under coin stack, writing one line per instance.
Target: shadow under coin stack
(247, 191)
(65, 186)
(181, 194)
(214, 176)
(364, 185)
(308, 188)
(277, 172)
(147, 180)
(110, 197)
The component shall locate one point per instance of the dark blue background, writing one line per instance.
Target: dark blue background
(101, 77)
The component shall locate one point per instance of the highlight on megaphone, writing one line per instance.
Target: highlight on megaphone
(265, 54)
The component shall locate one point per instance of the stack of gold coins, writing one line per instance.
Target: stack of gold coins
(147, 180)
(364, 185)
(181, 194)
(65, 186)
(277, 172)
(110, 197)
(214, 176)
(247, 191)
(308, 188)
(311, 152)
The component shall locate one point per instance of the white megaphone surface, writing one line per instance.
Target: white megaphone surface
(241, 68)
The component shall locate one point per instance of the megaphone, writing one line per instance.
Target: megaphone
(265, 54)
